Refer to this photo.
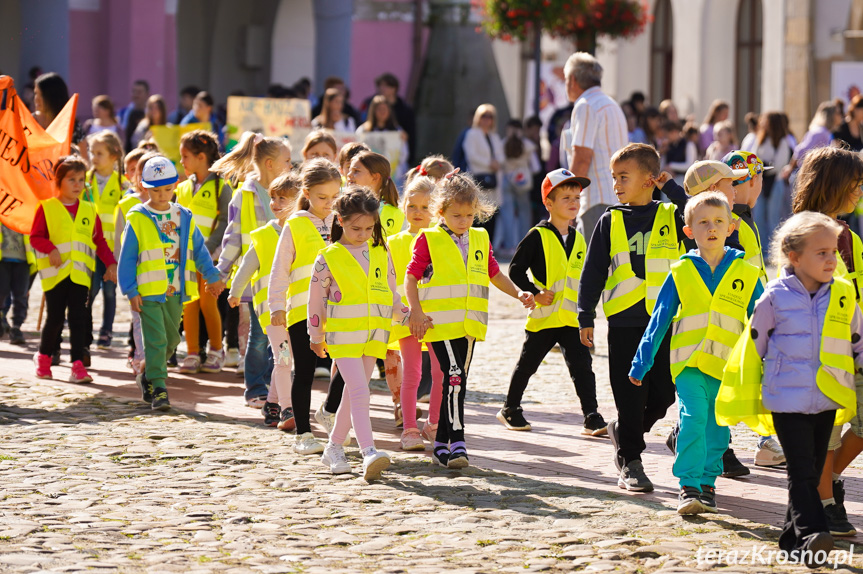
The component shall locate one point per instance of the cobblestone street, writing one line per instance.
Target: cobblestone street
(92, 480)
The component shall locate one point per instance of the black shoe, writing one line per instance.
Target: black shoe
(271, 412)
(146, 388)
(513, 419)
(594, 425)
(160, 400)
(86, 358)
(837, 520)
(708, 498)
(287, 422)
(55, 359)
(172, 362)
(16, 337)
(671, 441)
(440, 455)
(4, 325)
(689, 501)
(458, 459)
(731, 467)
(632, 478)
(816, 548)
(104, 341)
(614, 436)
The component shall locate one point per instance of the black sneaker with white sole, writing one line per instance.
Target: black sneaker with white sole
(633, 478)
(271, 412)
(160, 400)
(708, 498)
(594, 425)
(731, 466)
(689, 501)
(146, 388)
(513, 419)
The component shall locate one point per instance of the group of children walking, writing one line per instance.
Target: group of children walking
(333, 265)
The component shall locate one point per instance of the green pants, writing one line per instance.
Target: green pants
(160, 325)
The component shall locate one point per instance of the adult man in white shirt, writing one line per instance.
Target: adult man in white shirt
(598, 130)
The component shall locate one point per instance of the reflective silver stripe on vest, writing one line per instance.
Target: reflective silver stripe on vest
(478, 316)
(569, 305)
(301, 299)
(844, 378)
(652, 292)
(478, 291)
(359, 311)
(151, 255)
(657, 265)
(622, 288)
(726, 322)
(445, 317)
(717, 349)
(82, 247)
(621, 258)
(682, 354)
(302, 272)
(572, 283)
(81, 267)
(151, 277)
(544, 312)
(357, 337)
(443, 292)
(204, 223)
(692, 323)
(836, 346)
(63, 247)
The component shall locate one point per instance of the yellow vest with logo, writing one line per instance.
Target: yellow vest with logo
(740, 397)
(264, 241)
(249, 219)
(204, 205)
(707, 326)
(401, 250)
(307, 243)
(392, 219)
(562, 277)
(623, 289)
(73, 239)
(128, 203)
(456, 296)
(855, 278)
(751, 243)
(106, 201)
(359, 323)
(151, 274)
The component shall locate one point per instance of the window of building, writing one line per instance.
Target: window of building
(750, 40)
(661, 52)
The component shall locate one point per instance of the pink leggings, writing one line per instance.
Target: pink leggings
(357, 372)
(412, 355)
(280, 382)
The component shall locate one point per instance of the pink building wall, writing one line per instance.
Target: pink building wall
(379, 47)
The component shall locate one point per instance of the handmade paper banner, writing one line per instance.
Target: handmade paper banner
(389, 144)
(277, 117)
(28, 154)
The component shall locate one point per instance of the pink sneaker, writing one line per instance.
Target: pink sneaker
(429, 432)
(43, 366)
(412, 440)
(79, 373)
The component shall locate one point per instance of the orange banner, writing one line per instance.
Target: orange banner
(27, 156)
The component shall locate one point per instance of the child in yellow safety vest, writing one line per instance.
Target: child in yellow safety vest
(553, 252)
(162, 249)
(67, 236)
(774, 382)
(256, 161)
(629, 255)
(206, 195)
(705, 301)
(372, 170)
(106, 186)
(256, 268)
(305, 233)
(353, 303)
(446, 285)
(829, 182)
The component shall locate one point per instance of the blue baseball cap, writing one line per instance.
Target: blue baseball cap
(158, 171)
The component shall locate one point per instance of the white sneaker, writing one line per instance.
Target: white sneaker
(191, 364)
(769, 453)
(374, 464)
(232, 358)
(322, 373)
(334, 457)
(241, 366)
(328, 421)
(306, 443)
(214, 362)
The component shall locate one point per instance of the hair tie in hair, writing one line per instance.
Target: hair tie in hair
(258, 138)
(421, 170)
(452, 174)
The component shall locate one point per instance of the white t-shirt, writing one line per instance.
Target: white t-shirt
(169, 225)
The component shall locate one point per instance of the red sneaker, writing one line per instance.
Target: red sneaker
(43, 366)
(79, 373)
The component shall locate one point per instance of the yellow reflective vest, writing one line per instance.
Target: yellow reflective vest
(751, 243)
(73, 239)
(151, 273)
(740, 395)
(204, 205)
(105, 200)
(264, 241)
(358, 324)
(401, 250)
(307, 243)
(392, 219)
(623, 289)
(456, 296)
(855, 278)
(562, 275)
(707, 326)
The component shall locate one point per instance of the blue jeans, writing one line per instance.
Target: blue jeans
(773, 207)
(259, 359)
(514, 218)
(109, 300)
(701, 442)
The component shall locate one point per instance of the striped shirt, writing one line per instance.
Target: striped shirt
(598, 123)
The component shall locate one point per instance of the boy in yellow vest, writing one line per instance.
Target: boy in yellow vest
(630, 253)
(553, 252)
(162, 249)
(705, 301)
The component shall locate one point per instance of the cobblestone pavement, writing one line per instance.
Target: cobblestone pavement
(90, 479)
